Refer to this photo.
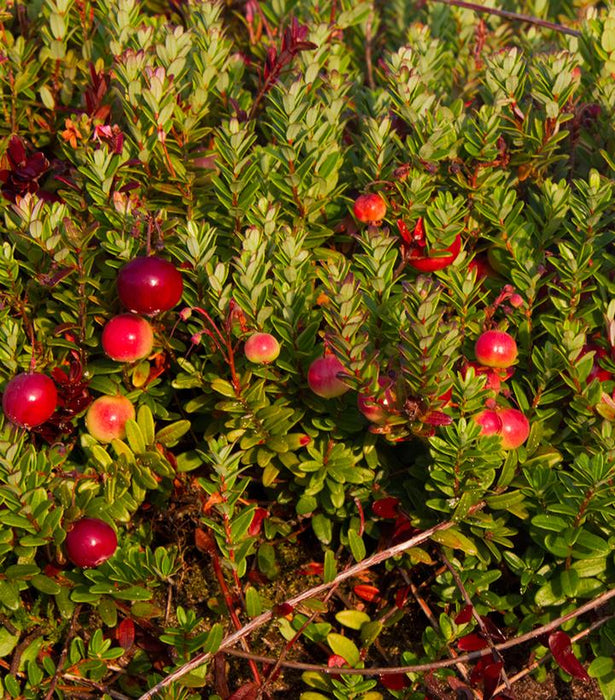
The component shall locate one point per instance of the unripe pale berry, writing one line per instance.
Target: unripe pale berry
(370, 208)
(261, 348)
(148, 285)
(322, 377)
(127, 338)
(29, 399)
(496, 349)
(106, 417)
(90, 542)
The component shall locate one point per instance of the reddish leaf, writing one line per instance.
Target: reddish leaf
(561, 648)
(125, 633)
(249, 691)
(487, 671)
(283, 609)
(336, 661)
(204, 541)
(257, 519)
(386, 507)
(471, 642)
(366, 592)
(494, 632)
(314, 568)
(464, 615)
(394, 681)
(401, 596)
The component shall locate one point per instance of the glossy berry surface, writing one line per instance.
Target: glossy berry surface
(489, 421)
(29, 399)
(261, 348)
(515, 428)
(106, 417)
(370, 208)
(436, 260)
(148, 285)
(377, 410)
(127, 338)
(322, 377)
(496, 349)
(90, 542)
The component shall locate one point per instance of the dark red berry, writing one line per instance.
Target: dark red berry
(148, 285)
(90, 542)
(29, 399)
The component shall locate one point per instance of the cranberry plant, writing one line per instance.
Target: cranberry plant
(322, 297)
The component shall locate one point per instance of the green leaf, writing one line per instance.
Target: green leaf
(45, 584)
(323, 528)
(352, 618)
(456, 540)
(135, 437)
(357, 546)
(344, 647)
(171, 434)
(550, 522)
(253, 602)
(145, 419)
(330, 566)
(9, 595)
(599, 667)
(214, 639)
(8, 641)
(370, 632)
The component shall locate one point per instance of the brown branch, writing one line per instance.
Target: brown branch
(534, 665)
(69, 636)
(257, 622)
(515, 16)
(446, 663)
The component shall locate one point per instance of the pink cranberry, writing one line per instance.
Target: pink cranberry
(496, 349)
(323, 377)
(127, 338)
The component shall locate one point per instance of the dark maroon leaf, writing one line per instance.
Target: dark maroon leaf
(472, 642)
(464, 615)
(487, 673)
(125, 633)
(283, 609)
(386, 507)
(494, 632)
(249, 691)
(394, 681)
(561, 648)
(437, 418)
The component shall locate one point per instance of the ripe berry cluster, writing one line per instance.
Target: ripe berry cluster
(146, 286)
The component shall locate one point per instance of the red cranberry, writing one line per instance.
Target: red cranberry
(127, 338)
(596, 372)
(489, 421)
(438, 260)
(90, 542)
(29, 399)
(496, 349)
(261, 348)
(323, 377)
(515, 428)
(378, 410)
(370, 208)
(148, 285)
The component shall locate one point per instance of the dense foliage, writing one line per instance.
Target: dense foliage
(233, 140)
